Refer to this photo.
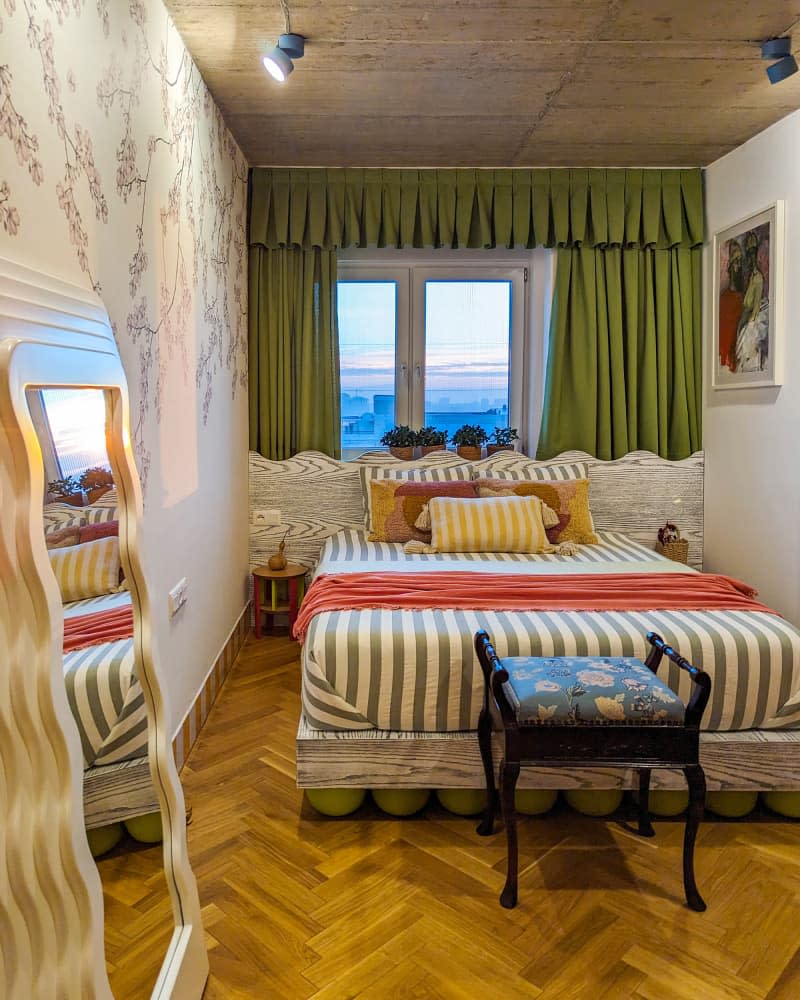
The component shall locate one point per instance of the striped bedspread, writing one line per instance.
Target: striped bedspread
(104, 693)
(417, 671)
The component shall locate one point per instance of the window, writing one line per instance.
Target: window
(76, 419)
(428, 345)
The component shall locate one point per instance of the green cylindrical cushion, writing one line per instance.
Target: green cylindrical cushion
(783, 803)
(666, 801)
(400, 801)
(146, 829)
(103, 838)
(462, 801)
(594, 801)
(731, 804)
(336, 801)
(535, 801)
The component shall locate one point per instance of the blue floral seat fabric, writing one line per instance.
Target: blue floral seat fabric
(589, 691)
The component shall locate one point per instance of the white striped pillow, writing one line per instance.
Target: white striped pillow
(507, 465)
(496, 524)
(87, 570)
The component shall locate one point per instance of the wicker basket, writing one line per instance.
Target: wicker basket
(678, 550)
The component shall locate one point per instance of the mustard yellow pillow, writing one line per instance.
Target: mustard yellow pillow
(498, 524)
(87, 570)
(568, 498)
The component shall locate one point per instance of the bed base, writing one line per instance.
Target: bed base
(741, 761)
(114, 792)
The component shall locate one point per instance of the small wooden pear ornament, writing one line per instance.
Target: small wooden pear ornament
(278, 560)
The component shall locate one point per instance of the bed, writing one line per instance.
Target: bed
(104, 694)
(385, 703)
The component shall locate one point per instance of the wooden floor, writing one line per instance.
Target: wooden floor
(299, 906)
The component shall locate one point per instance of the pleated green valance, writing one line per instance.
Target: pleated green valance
(475, 208)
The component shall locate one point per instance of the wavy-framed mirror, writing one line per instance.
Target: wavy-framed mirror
(56, 340)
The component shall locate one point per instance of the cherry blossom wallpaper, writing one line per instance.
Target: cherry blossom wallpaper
(117, 173)
(84, 143)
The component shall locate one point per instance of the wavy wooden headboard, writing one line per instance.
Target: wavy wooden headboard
(317, 495)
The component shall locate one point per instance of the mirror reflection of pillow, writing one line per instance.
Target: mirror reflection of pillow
(62, 538)
(88, 570)
(103, 529)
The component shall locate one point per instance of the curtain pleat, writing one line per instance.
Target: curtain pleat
(624, 361)
(475, 208)
(293, 352)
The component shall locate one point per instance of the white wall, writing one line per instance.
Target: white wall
(118, 173)
(751, 437)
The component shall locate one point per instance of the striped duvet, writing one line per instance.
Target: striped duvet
(104, 694)
(416, 670)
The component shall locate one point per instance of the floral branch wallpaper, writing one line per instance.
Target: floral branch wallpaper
(118, 174)
(110, 140)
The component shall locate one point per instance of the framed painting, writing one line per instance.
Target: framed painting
(748, 301)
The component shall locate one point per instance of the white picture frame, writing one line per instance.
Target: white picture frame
(747, 301)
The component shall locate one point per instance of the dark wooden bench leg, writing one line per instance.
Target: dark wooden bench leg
(508, 897)
(696, 780)
(486, 825)
(645, 826)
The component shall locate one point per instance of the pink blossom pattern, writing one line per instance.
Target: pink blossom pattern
(170, 180)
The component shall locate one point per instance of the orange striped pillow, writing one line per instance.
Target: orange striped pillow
(87, 570)
(497, 524)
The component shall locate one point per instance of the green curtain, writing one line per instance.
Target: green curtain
(624, 363)
(474, 208)
(624, 360)
(293, 352)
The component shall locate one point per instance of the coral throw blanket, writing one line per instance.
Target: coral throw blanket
(100, 626)
(501, 592)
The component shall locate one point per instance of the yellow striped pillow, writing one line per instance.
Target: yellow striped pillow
(496, 524)
(87, 570)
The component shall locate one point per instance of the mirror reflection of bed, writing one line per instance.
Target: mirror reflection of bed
(81, 526)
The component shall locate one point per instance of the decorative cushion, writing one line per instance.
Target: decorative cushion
(59, 515)
(102, 529)
(589, 691)
(434, 473)
(499, 524)
(396, 505)
(88, 570)
(569, 499)
(62, 538)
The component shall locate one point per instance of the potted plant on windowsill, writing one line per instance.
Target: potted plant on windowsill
(502, 439)
(469, 439)
(400, 441)
(430, 439)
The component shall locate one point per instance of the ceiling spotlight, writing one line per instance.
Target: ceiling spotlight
(278, 63)
(780, 49)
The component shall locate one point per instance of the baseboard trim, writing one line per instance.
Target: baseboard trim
(194, 720)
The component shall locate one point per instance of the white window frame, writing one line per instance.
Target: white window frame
(410, 276)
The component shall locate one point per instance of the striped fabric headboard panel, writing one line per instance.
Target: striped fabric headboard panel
(317, 496)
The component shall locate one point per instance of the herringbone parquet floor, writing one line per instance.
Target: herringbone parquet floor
(298, 906)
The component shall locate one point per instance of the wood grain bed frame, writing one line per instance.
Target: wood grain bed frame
(634, 495)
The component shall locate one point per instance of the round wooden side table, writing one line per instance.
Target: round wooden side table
(279, 603)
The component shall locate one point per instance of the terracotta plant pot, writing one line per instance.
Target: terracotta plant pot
(426, 449)
(469, 451)
(492, 448)
(404, 454)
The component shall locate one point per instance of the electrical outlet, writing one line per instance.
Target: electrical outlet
(267, 518)
(177, 596)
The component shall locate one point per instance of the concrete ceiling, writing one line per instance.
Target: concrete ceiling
(493, 82)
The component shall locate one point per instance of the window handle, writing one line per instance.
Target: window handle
(404, 373)
(417, 373)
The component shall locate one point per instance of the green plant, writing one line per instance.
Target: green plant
(470, 435)
(64, 487)
(429, 436)
(399, 437)
(91, 479)
(504, 435)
